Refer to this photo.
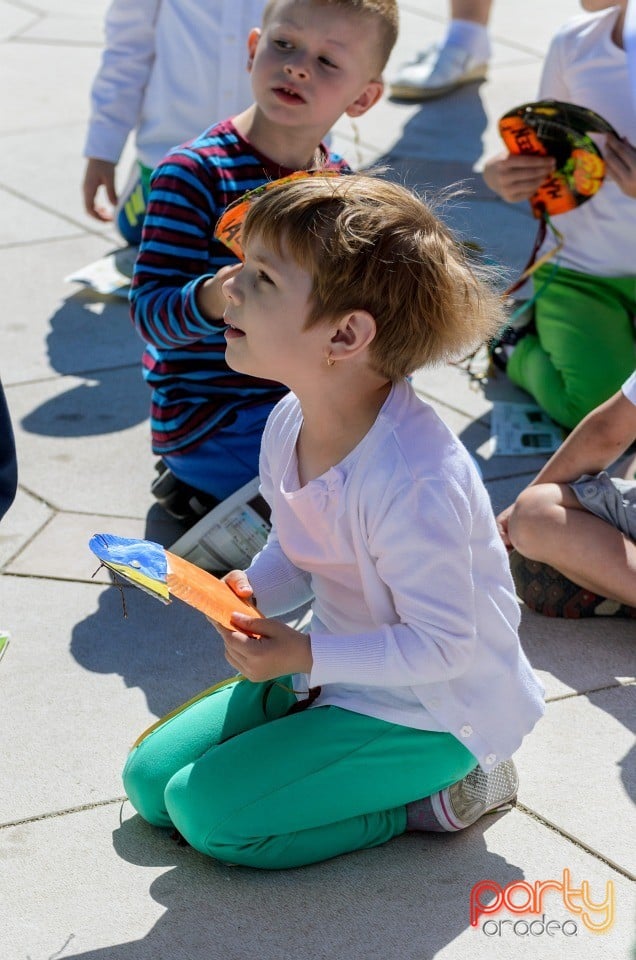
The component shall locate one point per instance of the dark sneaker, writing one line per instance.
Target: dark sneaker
(507, 338)
(546, 591)
(179, 499)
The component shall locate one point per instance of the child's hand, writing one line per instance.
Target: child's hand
(503, 519)
(237, 582)
(99, 173)
(516, 176)
(276, 651)
(620, 159)
(210, 298)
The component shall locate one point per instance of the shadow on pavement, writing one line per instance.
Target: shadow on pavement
(328, 910)
(92, 337)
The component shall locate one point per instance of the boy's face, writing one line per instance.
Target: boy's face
(313, 62)
(268, 302)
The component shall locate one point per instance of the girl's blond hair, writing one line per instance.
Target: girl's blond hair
(374, 245)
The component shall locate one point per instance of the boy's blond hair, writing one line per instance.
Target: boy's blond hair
(371, 244)
(385, 13)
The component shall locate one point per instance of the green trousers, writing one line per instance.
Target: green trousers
(583, 350)
(246, 783)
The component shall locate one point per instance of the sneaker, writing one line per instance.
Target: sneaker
(437, 71)
(546, 591)
(464, 802)
(179, 499)
(506, 339)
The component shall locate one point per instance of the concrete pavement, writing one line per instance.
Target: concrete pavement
(81, 875)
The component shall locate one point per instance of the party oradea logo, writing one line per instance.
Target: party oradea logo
(524, 909)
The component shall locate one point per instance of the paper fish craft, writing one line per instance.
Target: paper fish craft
(163, 575)
(560, 130)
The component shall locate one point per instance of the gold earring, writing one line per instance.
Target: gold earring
(330, 361)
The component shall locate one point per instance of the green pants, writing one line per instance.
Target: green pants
(583, 350)
(246, 783)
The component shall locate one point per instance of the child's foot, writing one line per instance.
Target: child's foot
(463, 803)
(179, 499)
(506, 339)
(436, 72)
(546, 591)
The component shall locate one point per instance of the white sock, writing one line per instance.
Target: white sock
(472, 37)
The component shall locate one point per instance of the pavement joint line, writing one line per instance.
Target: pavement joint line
(82, 808)
(562, 832)
(43, 206)
(30, 8)
(51, 41)
(629, 682)
(33, 243)
(56, 378)
(36, 534)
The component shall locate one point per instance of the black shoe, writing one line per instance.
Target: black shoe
(506, 338)
(179, 499)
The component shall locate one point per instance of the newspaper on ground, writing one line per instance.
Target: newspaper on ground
(522, 429)
(110, 275)
(230, 535)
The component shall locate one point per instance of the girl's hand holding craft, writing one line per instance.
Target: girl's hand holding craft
(262, 649)
(265, 649)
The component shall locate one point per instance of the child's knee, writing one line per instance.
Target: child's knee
(145, 789)
(526, 526)
(204, 818)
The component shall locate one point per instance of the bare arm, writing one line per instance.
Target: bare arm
(598, 440)
(620, 157)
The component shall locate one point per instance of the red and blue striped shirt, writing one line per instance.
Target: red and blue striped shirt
(194, 393)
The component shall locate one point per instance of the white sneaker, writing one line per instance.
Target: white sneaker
(437, 71)
(466, 801)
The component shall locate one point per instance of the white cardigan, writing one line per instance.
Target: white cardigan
(170, 69)
(414, 615)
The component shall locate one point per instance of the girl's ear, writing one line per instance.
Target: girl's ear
(352, 335)
(369, 96)
(252, 43)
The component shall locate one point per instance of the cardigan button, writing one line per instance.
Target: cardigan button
(466, 730)
(490, 759)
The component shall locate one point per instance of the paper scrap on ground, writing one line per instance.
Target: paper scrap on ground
(110, 275)
(522, 429)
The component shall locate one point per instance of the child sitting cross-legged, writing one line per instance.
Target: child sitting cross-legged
(401, 707)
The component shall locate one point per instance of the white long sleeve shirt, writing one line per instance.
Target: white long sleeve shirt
(170, 68)
(414, 613)
(584, 66)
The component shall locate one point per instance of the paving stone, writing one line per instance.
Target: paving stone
(64, 329)
(13, 20)
(153, 900)
(81, 681)
(113, 405)
(579, 772)
(26, 517)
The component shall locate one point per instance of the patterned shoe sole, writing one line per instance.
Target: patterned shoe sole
(546, 591)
